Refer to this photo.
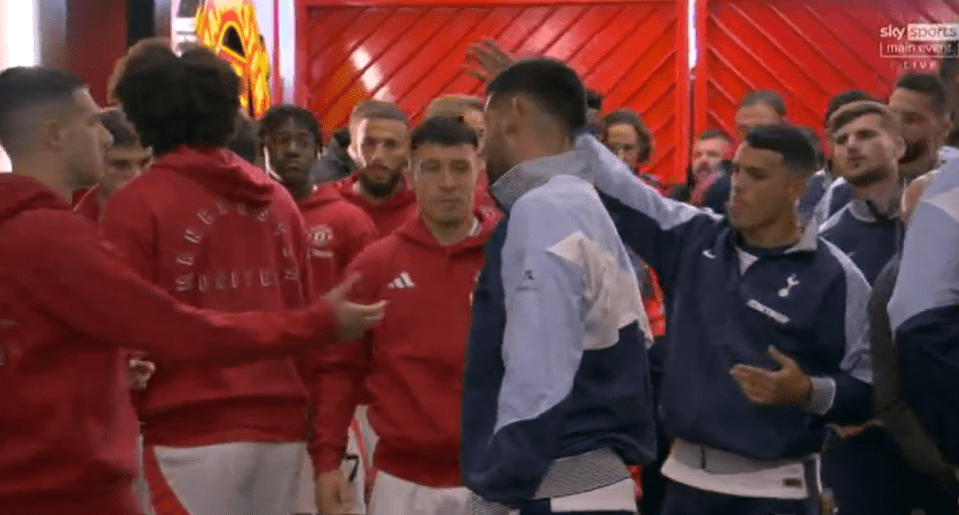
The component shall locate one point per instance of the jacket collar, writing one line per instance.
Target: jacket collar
(532, 174)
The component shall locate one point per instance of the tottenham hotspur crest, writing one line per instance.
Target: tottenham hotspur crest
(790, 282)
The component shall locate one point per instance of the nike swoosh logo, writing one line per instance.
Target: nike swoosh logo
(708, 253)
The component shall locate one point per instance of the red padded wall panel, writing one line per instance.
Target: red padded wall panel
(632, 51)
(808, 50)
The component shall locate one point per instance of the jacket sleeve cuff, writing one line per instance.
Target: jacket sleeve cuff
(821, 396)
(325, 461)
(327, 323)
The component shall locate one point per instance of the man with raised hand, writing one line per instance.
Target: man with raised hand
(556, 396)
(766, 329)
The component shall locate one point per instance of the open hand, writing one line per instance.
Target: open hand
(490, 59)
(788, 386)
(354, 318)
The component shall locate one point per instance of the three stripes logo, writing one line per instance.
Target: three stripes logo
(401, 282)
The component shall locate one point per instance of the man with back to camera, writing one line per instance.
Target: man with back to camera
(411, 365)
(556, 398)
(770, 317)
(337, 231)
(922, 313)
(216, 232)
(70, 450)
(864, 466)
(379, 142)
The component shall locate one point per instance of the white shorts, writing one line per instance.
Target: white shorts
(395, 496)
(225, 479)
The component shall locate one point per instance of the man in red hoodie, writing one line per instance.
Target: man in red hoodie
(125, 159)
(69, 307)
(379, 143)
(411, 365)
(469, 109)
(216, 232)
(338, 230)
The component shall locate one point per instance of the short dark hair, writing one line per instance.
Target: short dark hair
(844, 98)
(377, 110)
(278, 115)
(443, 130)
(594, 99)
(816, 143)
(715, 133)
(29, 87)
(928, 85)
(117, 124)
(553, 85)
(192, 99)
(629, 117)
(245, 141)
(798, 153)
(765, 96)
(140, 54)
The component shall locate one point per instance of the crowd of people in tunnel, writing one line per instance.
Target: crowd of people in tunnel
(499, 310)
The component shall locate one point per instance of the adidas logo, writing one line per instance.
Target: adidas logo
(402, 281)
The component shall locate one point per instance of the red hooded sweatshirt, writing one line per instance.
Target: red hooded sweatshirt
(388, 215)
(414, 357)
(89, 205)
(67, 305)
(216, 232)
(338, 230)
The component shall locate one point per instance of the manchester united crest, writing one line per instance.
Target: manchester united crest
(321, 236)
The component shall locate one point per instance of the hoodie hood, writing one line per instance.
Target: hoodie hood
(221, 172)
(19, 194)
(416, 231)
(324, 194)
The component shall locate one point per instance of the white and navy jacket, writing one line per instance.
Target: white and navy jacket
(728, 307)
(839, 193)
(556, 362)
(924, 312)
(869, 237)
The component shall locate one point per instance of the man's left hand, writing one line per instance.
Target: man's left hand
(788, 386)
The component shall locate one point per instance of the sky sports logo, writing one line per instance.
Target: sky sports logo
(919, 40)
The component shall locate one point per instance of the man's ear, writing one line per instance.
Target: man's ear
(50, 135)
(900, 146)
(518, 113)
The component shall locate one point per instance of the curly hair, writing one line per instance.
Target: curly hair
(192, 100)
(142, 53)
(276, 116)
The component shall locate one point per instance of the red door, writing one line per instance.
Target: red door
(808, 50)
(634, 52)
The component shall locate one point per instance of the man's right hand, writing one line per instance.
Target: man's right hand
(490, 59)
(354, 318)
(334, 494)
